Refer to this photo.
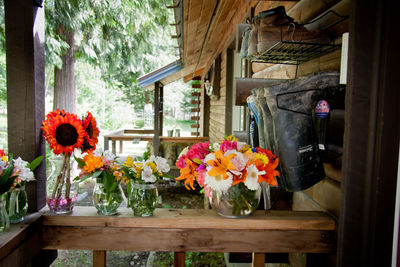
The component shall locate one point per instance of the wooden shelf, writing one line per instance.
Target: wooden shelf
(190, 230)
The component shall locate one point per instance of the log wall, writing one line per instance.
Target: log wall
(324, 196)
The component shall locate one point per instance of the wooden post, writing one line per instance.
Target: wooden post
(179, 259)
(114, 147)
(161, 110)
(106, 143)
(156, 138)
(99, 258)
(24, 27)
(121, 146)
(258, 260)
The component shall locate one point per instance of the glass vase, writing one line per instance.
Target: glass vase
(4, 220)
(16, 204)
(61, 190)
(105, 202)
(237, 202)
(143, 199)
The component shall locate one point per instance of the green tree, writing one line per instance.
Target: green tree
(119, 37)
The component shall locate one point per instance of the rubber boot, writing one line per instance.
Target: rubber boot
(291, 105)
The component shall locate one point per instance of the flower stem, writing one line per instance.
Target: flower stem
(68, 181)
(59, 178)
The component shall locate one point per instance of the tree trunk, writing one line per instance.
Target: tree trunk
(64, 78)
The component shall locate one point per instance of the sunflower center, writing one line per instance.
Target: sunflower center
(89, 130)
(66, 135)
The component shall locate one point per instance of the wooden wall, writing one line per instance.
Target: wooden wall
(326, 194)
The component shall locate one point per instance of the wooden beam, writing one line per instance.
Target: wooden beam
(245, 85)
(190, 230)
(195, 102)
(192, 75)
(258, 260)
(99, 258)
(24, 28)
(196, 85)
(196, 94)
(195, 118)
(179, 259)
(370, 161)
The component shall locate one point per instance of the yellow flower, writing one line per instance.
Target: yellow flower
(263, 158)
(231, 138)
(4, 158)
(152, 165)
(92, 162)
(128, 162)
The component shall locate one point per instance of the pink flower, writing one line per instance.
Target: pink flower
(228, 145)
(207, 191)
(198, 151)
(181, 162)
(201, 170)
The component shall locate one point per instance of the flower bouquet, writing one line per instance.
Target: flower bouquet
(143, 174)
(107, 193)
(230, 172)
(14, 173)
(65, 133)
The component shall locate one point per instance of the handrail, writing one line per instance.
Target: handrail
(177, 230)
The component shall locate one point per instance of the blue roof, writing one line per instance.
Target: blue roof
(159, 74)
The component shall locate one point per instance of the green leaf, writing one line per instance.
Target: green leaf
(198, 161)
(81, 163)
(36, 162)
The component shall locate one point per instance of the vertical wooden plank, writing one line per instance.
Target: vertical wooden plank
(258, 260)
(114, 147)
(371, 139)
(156, 137)
(106, 143)
(179, 259)
(161, 111)
(121, 146)
(24, 27)
(99, 258)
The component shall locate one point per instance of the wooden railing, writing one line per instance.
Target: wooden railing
(143, 135)
(177, 230)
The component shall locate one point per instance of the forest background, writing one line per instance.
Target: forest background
(95, 51)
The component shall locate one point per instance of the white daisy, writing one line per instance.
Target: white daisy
(252, 177)
(217, 183)
(147, 175)
(216, 147)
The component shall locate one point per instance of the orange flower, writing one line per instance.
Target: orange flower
(270, 171)
(92, 133)
(189, 173)
(92, 163)
(221, 165)
(63, 131)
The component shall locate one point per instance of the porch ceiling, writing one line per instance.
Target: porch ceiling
(208, 27)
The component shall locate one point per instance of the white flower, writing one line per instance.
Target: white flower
(240, 145)
(25, 173)
(108, 155)
(147, 175)
(239, 160)
(3, 164)
(216, 147)
(209, 157)
(217, 183)
(162, 164)
(19, 163)
(252, 177)
(183, 152)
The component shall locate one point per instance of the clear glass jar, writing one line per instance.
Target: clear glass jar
(143, 199)
(237, 202)
(16, 204)
(62, 192)
(106, 203)
(4, 220)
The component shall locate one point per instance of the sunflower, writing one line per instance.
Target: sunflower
(92, 133)
(63, 131)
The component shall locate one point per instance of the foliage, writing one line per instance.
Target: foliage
(112, 36)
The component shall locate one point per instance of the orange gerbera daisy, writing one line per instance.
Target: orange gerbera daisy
(189, 173)
(92, 162)
(92, 133)
(63, 131)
